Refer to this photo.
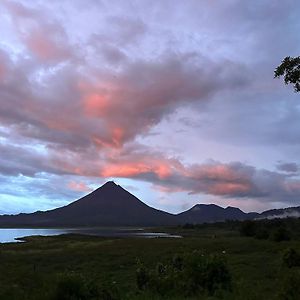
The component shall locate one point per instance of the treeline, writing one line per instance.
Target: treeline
(273, 229)
(276, 230)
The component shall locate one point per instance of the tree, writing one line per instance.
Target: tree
(290, 69)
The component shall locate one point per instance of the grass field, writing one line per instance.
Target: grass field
(33, 270)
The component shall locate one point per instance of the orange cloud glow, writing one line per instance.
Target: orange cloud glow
(79, 186)
(124, 170)
(45, 48)
(132, 169)
(95, 105)
(229, 188)
(117, 136)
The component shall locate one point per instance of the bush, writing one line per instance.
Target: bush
(290, 289)
(75, 287)
(189, 274)
(207, 273)
(142, 276)
(262, 234)
(248, 228)
(291, 258)
(280, 234)
(177, 262)
(71, 287)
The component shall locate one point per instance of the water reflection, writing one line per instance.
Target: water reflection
(8, 235)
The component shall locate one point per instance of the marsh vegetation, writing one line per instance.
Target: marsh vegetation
(212, 261)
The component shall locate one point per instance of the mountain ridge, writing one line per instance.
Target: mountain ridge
(112, 205)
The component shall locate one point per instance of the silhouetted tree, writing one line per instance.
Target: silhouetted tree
(290, 69)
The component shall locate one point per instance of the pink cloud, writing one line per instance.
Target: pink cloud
(41, 35)
(230, 188)
(3, 70)
(79, 186)
(161, 169)
(95, 105)
(42, 43)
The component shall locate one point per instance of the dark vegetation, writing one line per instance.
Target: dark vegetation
(290, 70)
(229, 260)
(186, 275)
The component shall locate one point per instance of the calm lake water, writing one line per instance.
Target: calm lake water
(8, 235)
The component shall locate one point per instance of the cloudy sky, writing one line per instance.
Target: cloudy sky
(174, 100)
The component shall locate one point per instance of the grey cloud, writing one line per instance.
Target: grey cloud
(125, 30)
(41, 192)
(16, 160)
(288, 167)
(112, 54)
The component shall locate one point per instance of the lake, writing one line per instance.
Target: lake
(9, 235)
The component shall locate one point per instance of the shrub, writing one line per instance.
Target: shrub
(71, 287)
(248, 228)
(190, 274)
(291, 258)
(142, 276)
(177, 262)
(280, 234)
(262, 234)
(206, 273)
(75, 287)
(290, 289)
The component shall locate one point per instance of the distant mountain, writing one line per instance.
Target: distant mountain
(111, 205)
(201, 213)
(292, 212)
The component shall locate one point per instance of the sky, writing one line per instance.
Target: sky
(173, 100)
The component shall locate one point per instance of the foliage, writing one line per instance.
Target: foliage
(71, 287)
(107, 266)
(290, 69)
(248, 228)
(142, 276)
(291, 258)
(290, 287)
(190, 274)
(280, 234)
(261, 233)
(206, 272)
(76, 287)
(276, 229)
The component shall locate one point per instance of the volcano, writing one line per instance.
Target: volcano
(109, 205)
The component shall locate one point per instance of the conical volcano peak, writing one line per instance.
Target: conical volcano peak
(110, 183)
(107, 186)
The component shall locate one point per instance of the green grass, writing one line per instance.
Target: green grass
(31, 270)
